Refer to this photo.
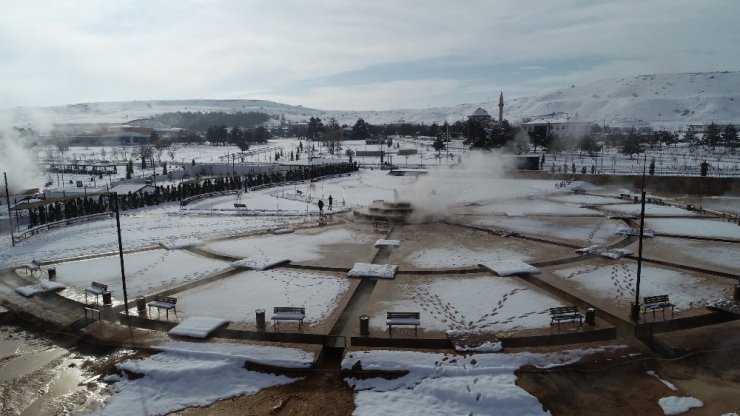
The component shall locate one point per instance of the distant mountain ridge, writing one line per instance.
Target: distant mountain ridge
(660, 100)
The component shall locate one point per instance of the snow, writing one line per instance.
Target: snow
(614, 253)
(661, 100)
(381, 271)
(180, 243)
(650, 210)
(237, 297)
(695, 227)
(617, 280)
(146, 272)
(482, 303)
(387, 243)
(488, 346)
(143, 228)
(441, 384)
(197, 327)
(509, 267)
(299, 247)
(596, 230)
(262, 354)
(260, 262)
(193, 375)
(43, 287)
(674, 405)
(458, 257)
(666, 382)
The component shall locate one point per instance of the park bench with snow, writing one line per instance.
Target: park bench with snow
(96, 289)
(33, 267)
(657, 302)
(288, 313)
(163, 302)
(402, 318)
(565, 313)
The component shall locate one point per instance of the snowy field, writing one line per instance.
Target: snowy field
(575, 230)
(239, 296)
(461, 257)
(299, 247)
(695, 227)
(146, 273)
(441, 384)
(193, 375)
(617, 281)
(535, 206)
(481, 303)
(650, 210)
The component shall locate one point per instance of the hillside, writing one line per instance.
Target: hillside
(664, 100)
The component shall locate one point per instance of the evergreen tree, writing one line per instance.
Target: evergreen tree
(704, 168)
(730, 138)
(712, 135)
(360, 131)
(690, 136)
(651, 170)
(631, 144)
(439, 144)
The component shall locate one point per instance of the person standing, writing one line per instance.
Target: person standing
(321, 207)
(331, 200)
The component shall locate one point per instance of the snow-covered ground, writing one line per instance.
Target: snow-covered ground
(236, 298)
(617, 282)
(183, 375)
(598, 230)
(481, 303)
(146, 272)
(461, 257)
(441, 384)
(298, 247)
(695, 227)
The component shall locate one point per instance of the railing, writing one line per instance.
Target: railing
(56, 224)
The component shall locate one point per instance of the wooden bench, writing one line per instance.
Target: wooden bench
(163, 302)
(657, 302)
(563, 313)
(288, 313)
(33, 267)
(402, 318)
(96, 289)
(381, 224)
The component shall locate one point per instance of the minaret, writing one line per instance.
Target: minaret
(501, 107)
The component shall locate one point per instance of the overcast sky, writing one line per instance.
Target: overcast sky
(341, 54)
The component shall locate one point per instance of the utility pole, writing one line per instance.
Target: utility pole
(10, 216)
(636, 304)
(120, 252)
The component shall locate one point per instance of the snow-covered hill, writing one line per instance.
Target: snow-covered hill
(664, 100)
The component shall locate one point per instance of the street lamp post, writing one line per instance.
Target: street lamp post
(120, 252)
(10, 216)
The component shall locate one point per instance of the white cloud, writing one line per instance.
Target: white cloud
(87, 50)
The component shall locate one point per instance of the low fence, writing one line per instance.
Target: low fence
(56, 224)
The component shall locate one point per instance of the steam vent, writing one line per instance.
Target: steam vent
(380, 210)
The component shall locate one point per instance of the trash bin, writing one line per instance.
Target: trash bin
(107, 298)
(52, 273)
(141, 305)
(364, 325)
(260, 313)
(590, 316)
(737, 292)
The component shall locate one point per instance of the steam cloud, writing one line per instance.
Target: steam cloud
(475, 179)
(16, 159)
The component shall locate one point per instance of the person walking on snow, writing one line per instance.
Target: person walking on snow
(330, 202)
(321, 207)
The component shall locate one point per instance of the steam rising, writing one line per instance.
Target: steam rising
(475, 179)
(16, 159)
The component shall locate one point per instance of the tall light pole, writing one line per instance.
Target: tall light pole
(120, 252)
(10, 216)
(636, 305)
